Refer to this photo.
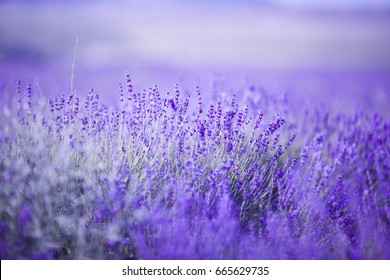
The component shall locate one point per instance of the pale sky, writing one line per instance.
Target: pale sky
(343, 4)
(294, 4)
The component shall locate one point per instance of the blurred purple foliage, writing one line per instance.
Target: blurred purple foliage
(170, 176)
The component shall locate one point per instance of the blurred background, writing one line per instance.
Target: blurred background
(293, 45)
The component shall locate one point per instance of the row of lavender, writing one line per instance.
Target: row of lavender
(167, 176)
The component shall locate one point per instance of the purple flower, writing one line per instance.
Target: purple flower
(156, 179)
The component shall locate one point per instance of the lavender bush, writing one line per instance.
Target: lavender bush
(190, 174)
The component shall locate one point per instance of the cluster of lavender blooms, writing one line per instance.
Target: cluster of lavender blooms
(167, 176)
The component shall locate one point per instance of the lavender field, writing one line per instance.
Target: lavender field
(193, 141)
